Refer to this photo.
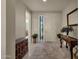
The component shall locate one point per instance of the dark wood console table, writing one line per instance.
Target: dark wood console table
(70, 40)
(21, 47)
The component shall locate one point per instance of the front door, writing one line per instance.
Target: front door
(41, 29)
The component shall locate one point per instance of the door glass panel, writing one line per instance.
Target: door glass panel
(41, 27)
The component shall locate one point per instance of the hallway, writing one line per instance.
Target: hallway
(28, 22)
(48, 50)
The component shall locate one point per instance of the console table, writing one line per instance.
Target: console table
(21, 47)
(70, 40)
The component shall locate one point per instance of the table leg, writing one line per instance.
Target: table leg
(66, 45)
(60, 43)
(71, 51)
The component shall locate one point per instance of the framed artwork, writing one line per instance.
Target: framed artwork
(72, 20)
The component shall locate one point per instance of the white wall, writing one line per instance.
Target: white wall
(10, 29)
(20, 19)
(71, 6)
(28, 28)
(3, 29)
(28, 20)
(52, 24)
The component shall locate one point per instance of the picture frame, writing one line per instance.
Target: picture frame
(72, 21)
(72, 18)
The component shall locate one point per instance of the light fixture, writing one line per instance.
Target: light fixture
(44, 0)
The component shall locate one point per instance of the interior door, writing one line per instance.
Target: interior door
(41, 36)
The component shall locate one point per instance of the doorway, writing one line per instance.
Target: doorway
(41, 31)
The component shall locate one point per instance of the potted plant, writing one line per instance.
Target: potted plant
(66, 30)
(34, 36)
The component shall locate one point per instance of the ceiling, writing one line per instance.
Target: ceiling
(50, 5)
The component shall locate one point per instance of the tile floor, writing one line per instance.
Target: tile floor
(48, 50)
